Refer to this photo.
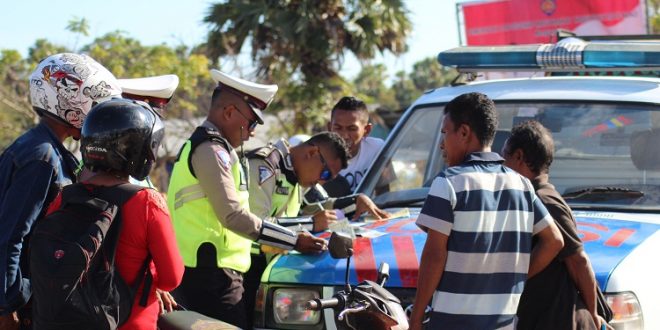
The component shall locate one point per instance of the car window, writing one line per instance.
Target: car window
(405, 165)
(595, 144)
(613, 145)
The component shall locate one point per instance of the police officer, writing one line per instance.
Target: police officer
(208, 199)
(278, 174)
(156, 91)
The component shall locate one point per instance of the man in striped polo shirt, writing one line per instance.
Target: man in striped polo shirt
(480, 218)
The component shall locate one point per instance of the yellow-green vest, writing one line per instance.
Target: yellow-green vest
(290, 202)
(196, 223)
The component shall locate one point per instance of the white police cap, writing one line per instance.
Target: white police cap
(158, 86)
(258, 96)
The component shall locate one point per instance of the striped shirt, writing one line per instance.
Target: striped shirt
(489, 213)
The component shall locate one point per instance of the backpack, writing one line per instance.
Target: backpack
(72, 259)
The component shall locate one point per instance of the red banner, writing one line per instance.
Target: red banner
(509, 22)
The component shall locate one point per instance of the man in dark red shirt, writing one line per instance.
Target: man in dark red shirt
(563, 295)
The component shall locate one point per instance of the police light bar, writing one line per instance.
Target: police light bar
(568, 55)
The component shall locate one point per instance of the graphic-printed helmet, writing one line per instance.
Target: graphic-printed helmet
(121, 136)
(66, 86)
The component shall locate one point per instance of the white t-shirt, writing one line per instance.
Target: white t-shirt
(358, 165)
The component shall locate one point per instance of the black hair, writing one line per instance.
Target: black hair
(334, 143)
(536, 143)
(351, 103)
(477, 111)
(215, 97)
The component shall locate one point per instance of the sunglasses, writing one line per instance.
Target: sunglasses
(252, 124)
(326, 174)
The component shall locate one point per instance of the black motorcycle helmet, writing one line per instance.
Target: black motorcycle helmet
(121, 136)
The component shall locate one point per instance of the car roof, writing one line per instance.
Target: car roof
(617, 89)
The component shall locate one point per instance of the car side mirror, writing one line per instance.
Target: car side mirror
(340, 246)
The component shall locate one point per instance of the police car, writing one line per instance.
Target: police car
(607, 165)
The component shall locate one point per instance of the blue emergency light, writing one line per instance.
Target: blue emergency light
(569, 54)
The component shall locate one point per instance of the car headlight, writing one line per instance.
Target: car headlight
(289, 306)
(626, 311)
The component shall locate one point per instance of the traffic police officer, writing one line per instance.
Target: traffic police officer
(157, 91)
(278, 174)
(208, 199)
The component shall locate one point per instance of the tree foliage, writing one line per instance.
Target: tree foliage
(370, 86)
(301, 44)
(126, 57)
(15, 110)
(654, 16)
(426, 74)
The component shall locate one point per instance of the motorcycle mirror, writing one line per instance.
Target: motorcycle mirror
(383, 273)
(340, 245)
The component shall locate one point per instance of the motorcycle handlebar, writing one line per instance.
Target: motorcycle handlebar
(320, 304)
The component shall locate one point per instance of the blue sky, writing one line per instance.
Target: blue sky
(176, 22)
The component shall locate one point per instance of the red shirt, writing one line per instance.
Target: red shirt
(146, 229)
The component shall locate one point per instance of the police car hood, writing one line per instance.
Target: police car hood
(608, 238)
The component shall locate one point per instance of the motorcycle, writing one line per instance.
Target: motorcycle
(368, 305)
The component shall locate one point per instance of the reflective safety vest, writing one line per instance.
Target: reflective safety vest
(286, 197)
(285, 200)
(195, 221)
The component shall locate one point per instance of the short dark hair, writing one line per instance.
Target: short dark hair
(351, 103)
(477, 111)
(333, 142)
(536, 143)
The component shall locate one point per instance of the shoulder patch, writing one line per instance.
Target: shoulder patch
(264, 174)
(262, 152)
(223, 157)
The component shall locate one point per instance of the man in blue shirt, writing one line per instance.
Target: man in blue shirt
(36, 166)
(480, 217)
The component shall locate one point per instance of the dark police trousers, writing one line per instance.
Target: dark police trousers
(212, 291)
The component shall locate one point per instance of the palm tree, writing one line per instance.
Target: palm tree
(300, 44)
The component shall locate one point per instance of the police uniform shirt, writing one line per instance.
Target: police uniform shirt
(212, 163)
(266, 175)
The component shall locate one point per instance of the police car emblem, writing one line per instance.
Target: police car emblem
(264, 174)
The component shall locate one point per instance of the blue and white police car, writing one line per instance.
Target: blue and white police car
(607, 164)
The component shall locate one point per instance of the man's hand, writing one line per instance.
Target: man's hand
(9, 322)
(323, 219)
(415, 325)
(165, 301)
(309, 244)
(600, 322)
(364, 204)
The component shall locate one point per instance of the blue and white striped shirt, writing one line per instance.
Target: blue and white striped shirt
(489, 213)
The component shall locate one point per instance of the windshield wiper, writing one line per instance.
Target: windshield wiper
(603, 194)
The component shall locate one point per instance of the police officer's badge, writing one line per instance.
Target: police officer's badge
(264, 174)
(223, 157)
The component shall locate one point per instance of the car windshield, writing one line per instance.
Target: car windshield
(605, 153)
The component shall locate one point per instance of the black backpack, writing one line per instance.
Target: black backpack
(72, 260)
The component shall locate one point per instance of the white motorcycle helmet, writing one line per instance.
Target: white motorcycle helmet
(65, 86)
